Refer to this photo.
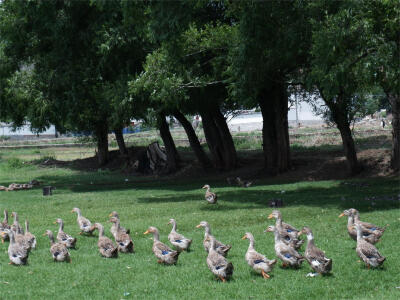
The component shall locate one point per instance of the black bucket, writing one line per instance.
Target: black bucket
(47, 190)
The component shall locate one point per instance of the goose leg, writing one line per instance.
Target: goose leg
(222, 278)
(265, 275)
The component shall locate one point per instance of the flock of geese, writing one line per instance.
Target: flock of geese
(287, 243)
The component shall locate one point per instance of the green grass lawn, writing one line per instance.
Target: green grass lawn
(142, 203)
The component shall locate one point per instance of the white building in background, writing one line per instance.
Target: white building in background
(304, 111)
(25, 132)
(254, 121)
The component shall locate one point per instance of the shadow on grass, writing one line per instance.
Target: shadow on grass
(362, 143)
(365, 195)
(340, 196)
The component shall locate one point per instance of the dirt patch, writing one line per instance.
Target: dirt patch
(116, 161)
(306, 166)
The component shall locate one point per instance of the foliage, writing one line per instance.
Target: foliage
(274, 39)
(88, 55)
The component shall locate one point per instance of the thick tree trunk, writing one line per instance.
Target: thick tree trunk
(219, 138)
(395, 104)
(339, 116)
(213, 140)
(193, 140)
(172, 153)
(274, 109)
(230, 156)
(349, 148)
(102, 143)
(120, 140)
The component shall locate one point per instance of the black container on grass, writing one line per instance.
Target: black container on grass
(48, 190)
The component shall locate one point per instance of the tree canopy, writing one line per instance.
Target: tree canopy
(94, 65)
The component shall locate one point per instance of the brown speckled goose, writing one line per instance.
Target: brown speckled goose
(257, 261)
(288, 255)
(210, 197)
(218, 264)
(113, 229)
(84, 224)
(164, 253)
(243, 183)
(3, 226)
(106, 246)
(29, 237)
(176, 239)
(19, 233)
(371, 236)
(366, 251)
(17, 253)
(375, 230)
(123, 240)
(315, 256)
(288, 234)
(279, 223)
(219, 247)
(16, 227)
(58, 251)
(64, 238)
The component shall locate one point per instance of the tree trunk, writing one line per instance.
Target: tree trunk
(219, 138)
(230, 157)
(120, 141)
(349, 148)
(172, 153)
(213, 140)
(274, 109)
(193, 140)
(102, 143)
(339, 116)
(394, 100)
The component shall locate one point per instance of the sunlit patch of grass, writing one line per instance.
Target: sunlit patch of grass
(142, 203)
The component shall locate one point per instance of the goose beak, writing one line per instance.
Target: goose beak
(341, 215)
(299, 233)
(55, 222)
(198, 226)
(110, 215)
(244, 237)
(44, 234)
(270, 216)
(146, 232)
(72, 211)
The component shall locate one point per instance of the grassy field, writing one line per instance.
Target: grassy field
(142, 202)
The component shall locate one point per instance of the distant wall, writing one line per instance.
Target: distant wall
(25, 132)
